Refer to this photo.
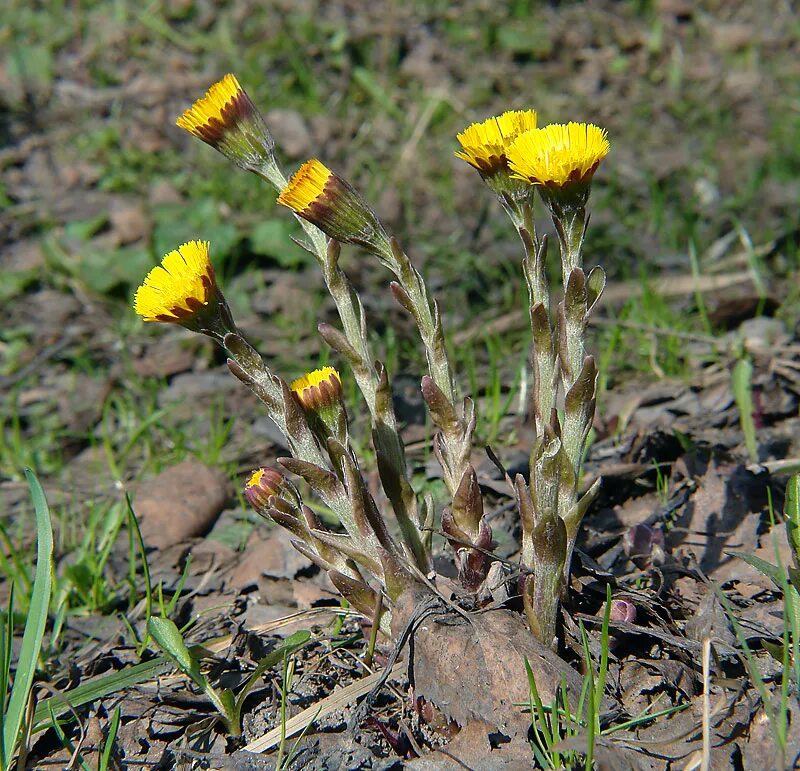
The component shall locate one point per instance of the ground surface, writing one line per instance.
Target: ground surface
(96, 183)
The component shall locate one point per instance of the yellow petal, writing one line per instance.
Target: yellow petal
(558, 153)
(306, 185)
(179, 287)
(218, 105)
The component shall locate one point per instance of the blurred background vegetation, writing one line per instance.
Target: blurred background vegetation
(701, 102)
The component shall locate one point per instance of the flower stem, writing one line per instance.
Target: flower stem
(386, 435)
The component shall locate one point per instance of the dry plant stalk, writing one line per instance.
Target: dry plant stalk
(369, 560)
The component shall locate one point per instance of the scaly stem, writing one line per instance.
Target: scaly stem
(386, 435)
(426, 318)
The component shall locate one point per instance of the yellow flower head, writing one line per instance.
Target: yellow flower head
(558, 154)
(180, 288)
(326, 200)
(306, 186)
(227, 119)
(485, 145)
(318, 389)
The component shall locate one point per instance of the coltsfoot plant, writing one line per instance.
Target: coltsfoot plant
(372, 559)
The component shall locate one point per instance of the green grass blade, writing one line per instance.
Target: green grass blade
(138, 541)
(290, 645)
(37, 619)
(645, 716)
(179, 588)
(108, 747)
(538, 718)
(756, 677)
(741, 385)
(791, 509)
(6, 642)
(98, 689)
(773, 572)
(604, 643)
(592, 719)
(698, 295)
(67, 744)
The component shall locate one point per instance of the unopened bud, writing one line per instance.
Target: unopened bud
(622, 610)
(644, 544)
(267, 488)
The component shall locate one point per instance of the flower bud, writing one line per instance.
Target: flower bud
(269, 489)
(326, 200)
(227, 119)
(622, 610)
(644, 544)
(320, 394)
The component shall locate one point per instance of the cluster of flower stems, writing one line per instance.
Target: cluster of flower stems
(371, 561)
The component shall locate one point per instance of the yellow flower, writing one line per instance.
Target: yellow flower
(484, 145)
(558, 154)
(180, 288)
(326, 200)
(318, 389)
(306, 186)
(320, 395)
(227, 119)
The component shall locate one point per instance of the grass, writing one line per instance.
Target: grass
(565, 734)
(776, 707)
(16, 687)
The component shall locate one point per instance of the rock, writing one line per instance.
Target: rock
(48, 312)
(168, 355)
(129, 222)
(272, 556)
(309, 594)
(80, 400)
(181, 502)
(290, 132)
(194, 387)
(163, 192)
(23, 256)
(474, 671)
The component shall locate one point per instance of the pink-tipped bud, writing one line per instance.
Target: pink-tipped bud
(622, 610)
(263, 484)
(644, 544)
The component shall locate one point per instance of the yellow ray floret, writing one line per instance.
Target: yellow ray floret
(255, 478)
(306, 185)
(219, 107)
(313, 379)
(178, 288)
(484, 145)
(261, 486)
(558, 153)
